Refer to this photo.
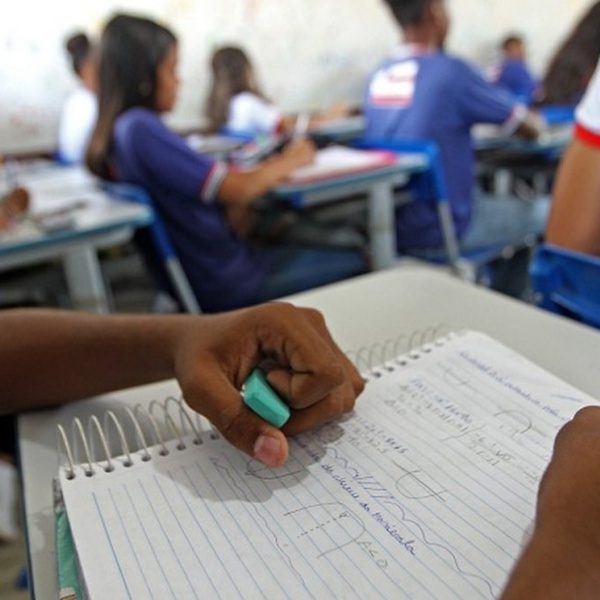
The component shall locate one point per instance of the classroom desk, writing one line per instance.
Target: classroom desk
(341, 130)
(218, 147)
(410, 300)
(378, 184)
(503, 155)
(95, 221)
(552, 141)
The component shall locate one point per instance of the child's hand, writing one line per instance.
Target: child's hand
(561, 560)
(570, 488)
(299, 153)
(307, 369)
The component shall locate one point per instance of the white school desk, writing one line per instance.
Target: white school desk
(552, 141)
(96, 221)
(360, 313)
(498, 149)
(341, 130)
(378, 184)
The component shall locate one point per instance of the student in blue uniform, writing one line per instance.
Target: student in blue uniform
(421, 92)
(513, 73)
(193, 194)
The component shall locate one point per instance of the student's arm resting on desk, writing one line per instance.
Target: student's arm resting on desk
(562, 560)
(239, 187)
(480, 101)
(51, 357)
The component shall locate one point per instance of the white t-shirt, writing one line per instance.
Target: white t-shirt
(248, 113)
(76, 125)
(587, 115)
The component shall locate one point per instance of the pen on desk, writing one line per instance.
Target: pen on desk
(301, 126)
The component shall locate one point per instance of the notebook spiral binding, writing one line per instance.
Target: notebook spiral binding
(199, 426)
(372, 361)
(387, 356)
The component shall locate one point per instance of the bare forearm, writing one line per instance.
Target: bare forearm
(558, 564)
(246, 187)
(574, 220)
(49, 357)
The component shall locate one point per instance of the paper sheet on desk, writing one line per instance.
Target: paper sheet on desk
(45, 203)
(62, 189)
(338, 160)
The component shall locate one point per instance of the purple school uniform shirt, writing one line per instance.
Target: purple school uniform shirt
(514, 77)
(432, 96)
(224, 271)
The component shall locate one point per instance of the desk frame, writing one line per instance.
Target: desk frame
(378, 185)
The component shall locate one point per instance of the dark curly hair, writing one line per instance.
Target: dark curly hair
(573, 65)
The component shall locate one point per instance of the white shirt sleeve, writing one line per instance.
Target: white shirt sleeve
(76, 125)
(587, 114)
(250, 113)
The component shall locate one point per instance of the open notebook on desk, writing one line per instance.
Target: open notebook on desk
(425, 491)
(339, 160)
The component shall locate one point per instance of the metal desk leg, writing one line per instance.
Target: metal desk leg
(382, 231)
(503, 180)
(84, 278)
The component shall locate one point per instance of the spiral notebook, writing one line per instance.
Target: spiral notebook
(425, 491)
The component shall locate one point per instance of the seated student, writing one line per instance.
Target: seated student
(421, 92)
(78, 355)
(572, 66)
(237, 103)
(192, 193)
(574, 221)
(513, 74)
(79, 113)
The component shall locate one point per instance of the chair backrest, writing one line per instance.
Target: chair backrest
(558, 115)
(161, 243)
(428, 186)
(567, 283)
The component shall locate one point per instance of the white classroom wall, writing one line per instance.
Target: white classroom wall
(308, 53)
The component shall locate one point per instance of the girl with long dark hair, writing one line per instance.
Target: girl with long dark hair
(192, 193)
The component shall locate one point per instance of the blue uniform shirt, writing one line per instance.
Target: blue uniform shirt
(224, 271)
(433, 96)
(515, 78)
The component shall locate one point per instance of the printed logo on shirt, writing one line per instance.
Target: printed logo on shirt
(394, 86)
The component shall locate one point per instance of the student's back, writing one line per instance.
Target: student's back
(427, 94)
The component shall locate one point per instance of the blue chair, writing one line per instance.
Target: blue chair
(430, 186)
(161, 244)
(567, 283)
(558, 115)
(243, 136)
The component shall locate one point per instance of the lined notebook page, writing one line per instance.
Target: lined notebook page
(426, 491)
